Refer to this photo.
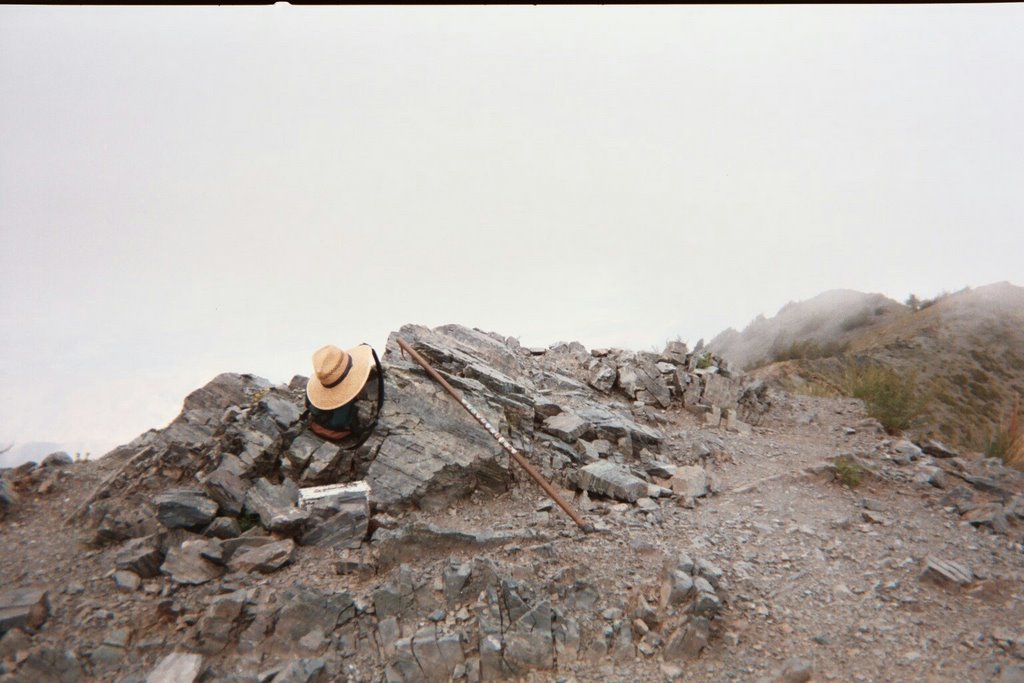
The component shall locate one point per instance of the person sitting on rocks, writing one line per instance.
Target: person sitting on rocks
(339, 378)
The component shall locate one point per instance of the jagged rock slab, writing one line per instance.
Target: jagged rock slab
(613, 426)
(566, 426)
(721, 391)
(184, 509)
(227, 489)
(430, 451)
(946, 572)
(689, 640)
(186, 564)
(340, 515)
(223, 527)
(990, 514)
(280, 410)
(200, 417)
(306, 609)
(326, 463)
(24, 608)
(141, 556)
(608, 479)
(177, 667)
(602, 377)
(275, 505)
(427, 656)
(215, 628)
(938, 449)
(244, 543)
(433, 452)
(416, 540)
(264, 559)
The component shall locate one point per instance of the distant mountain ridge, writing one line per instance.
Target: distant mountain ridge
(966, 348)
(828, 321)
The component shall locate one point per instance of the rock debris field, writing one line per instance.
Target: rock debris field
(741, 534)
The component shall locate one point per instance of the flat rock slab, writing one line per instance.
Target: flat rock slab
(23, 608)
(947, 573)
(177, 667)
(938, 449)
(417, 540)
(264, 559)
(608, 479)
(566, 426)
(185, 509)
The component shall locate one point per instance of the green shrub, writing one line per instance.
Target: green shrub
(849, 473)
(892, 398)
(809, 350)
(247, 520)
(704, 361)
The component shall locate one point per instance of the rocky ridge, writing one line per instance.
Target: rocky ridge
(204, 557)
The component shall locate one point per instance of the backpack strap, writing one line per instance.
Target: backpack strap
(380, 402)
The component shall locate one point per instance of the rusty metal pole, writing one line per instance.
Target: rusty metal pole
(534, 474)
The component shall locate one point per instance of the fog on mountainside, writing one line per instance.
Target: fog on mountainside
(827, 320)
(963, 353)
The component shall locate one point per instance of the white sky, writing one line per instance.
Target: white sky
(186, 191)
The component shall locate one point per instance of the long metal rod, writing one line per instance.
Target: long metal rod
(537, 476)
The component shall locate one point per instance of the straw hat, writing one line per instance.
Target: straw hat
(338, 375)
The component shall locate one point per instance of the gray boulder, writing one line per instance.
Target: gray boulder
(227, 489)
(690, 480)
(608, 479)
(566, 426)
(602, 377)
(185, 509)
(57, 459)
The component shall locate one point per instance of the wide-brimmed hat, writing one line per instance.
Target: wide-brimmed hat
(338, 375)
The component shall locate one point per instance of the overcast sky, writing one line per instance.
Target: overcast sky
(186, 191)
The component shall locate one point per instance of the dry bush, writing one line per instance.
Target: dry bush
(1008, 442)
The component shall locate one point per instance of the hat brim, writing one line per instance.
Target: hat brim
(326, 398)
